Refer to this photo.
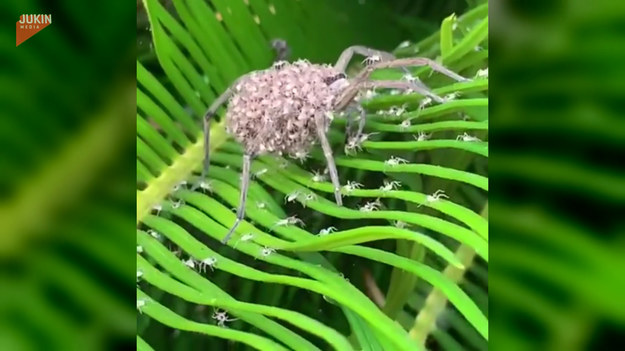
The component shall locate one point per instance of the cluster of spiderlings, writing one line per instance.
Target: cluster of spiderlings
(273, 111)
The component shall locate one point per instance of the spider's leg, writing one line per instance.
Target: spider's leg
(347, 54)
(361, 122)
(245, 182)
(349, 122)
(393, 84)
(210, 113)
(327, 152)
(411, 62)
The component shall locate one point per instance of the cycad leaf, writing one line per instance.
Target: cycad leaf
(201, 48)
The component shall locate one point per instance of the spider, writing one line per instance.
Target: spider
(371, 206)
(222, 318)
(290, 197)
(422, 136)
(351, 186)
(245, 237)
(209, 262)
(266, 251)
(326, 231)
(434, 197)
(139, 275)
(318, 177)
(293, 220)
(140, 304)
(287, 108)
(394, 161)
(388, 186)
(467, 137)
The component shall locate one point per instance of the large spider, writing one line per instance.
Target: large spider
(284, 109)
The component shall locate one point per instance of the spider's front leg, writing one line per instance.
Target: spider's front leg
(410, 62)
(371, 54)
(210, 113)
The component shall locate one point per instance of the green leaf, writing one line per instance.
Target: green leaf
(447, 35)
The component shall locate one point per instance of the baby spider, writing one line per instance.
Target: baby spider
(422, 136)
(177, 204)
(410, 78)
(222, 318)
(370, 60)
(434, 197)
(425, 102)
(153, 233)
(308, 197)
(394, 161)
(209, 262)
(354, 143)
(388, 186)
(260, 173)
(467, 137)
(452, 96)
(205, 186)
(139, 249)
(286, 108)
(292, 196)
(399, 224)
(351, 186)
(405, 124)
(157, 208)
(139, 275)
(300, 155)
(326, 231)
(293, 220)
(371, 206)
(261, 205)
(180, 185)
(244, 237)
(266, 251)
(482, 73)
(318, 177)
(397, 110)
(140, 304)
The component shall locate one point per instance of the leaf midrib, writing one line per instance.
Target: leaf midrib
(183, 165)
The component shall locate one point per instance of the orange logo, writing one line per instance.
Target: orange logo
(29, 25)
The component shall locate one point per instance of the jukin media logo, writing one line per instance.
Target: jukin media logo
(29, 25)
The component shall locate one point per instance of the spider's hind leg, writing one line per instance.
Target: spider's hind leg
(327, 152)
(245, 182)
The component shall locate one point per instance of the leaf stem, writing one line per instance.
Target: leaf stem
(435, 303)
(183, 166)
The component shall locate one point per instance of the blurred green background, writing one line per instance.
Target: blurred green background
(557, 278)
(67, 177)
(557, 192)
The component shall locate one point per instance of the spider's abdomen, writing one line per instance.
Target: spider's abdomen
(273, 111)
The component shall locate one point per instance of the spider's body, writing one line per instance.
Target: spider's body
(287, 108)
(274, 110)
